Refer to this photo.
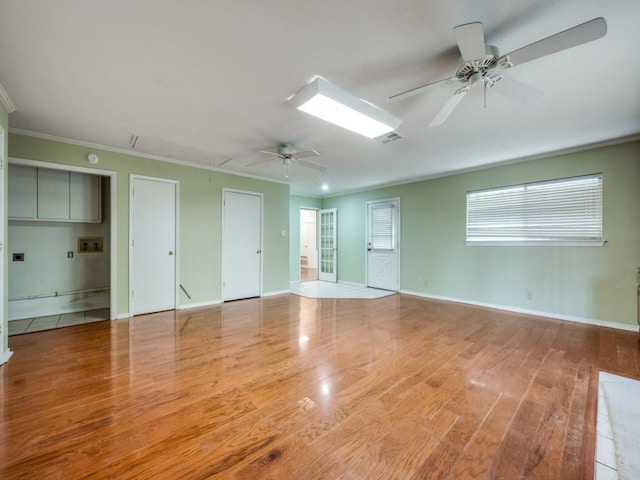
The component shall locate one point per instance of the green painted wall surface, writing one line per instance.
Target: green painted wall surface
(297, 202)
(200, 215)
(4, 124)
(597, 283)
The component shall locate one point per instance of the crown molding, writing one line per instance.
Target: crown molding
(6, 101)
(499, 163)
(132, 153)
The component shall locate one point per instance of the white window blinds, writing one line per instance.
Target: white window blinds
(566, 210)
(382, 235)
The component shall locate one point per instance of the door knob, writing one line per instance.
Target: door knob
(170, 252)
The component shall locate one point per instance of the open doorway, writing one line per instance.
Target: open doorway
(308, 245)
(61, 245)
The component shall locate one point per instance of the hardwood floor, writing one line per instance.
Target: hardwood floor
(288, 387)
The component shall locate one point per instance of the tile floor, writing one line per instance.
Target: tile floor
(28, 325)
(318, 289)
(618, 428)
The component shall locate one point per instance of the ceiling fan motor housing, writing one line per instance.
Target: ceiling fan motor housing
(482, 66)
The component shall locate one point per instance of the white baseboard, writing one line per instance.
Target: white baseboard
(277, 292)
(122, 316)
(355, 284)
(208, 303)
(526, 311)
(4, 358)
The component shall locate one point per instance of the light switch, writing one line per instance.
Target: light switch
(283, 233)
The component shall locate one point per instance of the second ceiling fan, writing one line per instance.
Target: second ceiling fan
(481, 63)
(290, 155)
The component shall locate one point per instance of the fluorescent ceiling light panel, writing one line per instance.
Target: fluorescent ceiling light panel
(328, 102)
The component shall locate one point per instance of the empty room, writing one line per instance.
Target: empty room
(320, 240)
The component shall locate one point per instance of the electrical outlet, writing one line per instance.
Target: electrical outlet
(69, 254)
(18, 257)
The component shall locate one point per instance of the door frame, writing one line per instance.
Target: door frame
(4, 318)
(300, 238)
(113, 211)
(366, 237)
(176, 293)
(222, 251)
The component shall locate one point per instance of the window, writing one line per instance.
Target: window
(382, 231)
(567, 211)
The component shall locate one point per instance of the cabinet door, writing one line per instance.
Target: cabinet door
(84, 197)
(53, 194)
(22, 191)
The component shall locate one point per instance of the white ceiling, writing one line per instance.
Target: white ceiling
(203, 81)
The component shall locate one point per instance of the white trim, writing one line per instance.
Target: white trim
(122, 316)
(534, 243)
(113, 209)
(355, 284)
(275, 292)
(6, 101)
(59, 166)
(6, 355)
(4, 234)
(245, 192)
(176, 183)
(133, 153)
(300, 208)
(207, 303)
(526, 311)
(486, 166)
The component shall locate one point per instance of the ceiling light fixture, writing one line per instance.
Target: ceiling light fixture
(324, 187)
(328, 102)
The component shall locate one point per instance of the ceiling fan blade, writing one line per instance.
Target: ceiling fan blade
(583, 33)
(517, 91)
(307, 154)
(470, 40)
(449, 107)
(275, 154)
(315, 165)
(418, 90)
(262, 161)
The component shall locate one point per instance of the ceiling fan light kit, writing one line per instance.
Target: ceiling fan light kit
(324, 100)
(481, 63)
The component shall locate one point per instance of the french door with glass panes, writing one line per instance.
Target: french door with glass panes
(327, 234)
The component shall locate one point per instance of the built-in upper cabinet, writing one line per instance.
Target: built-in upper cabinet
(53, 195)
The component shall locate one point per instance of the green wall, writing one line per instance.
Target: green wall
(200, 216)
(297, 202)
(592, 283)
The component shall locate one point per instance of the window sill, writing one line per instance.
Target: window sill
(536, 243)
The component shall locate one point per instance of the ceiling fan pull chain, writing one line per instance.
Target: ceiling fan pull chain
(485, 95)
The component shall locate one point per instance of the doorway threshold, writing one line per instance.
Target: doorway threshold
(320, 289)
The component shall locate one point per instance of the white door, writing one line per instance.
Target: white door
(241, 245)
(327, 234)
(153, 245)
(383, 244)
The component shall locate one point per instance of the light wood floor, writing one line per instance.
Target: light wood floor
(287, 387)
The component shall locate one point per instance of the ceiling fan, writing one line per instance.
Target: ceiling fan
(481, 63)
(289, 156)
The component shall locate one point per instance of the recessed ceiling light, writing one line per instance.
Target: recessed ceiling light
(328, 102)
(324, 187)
